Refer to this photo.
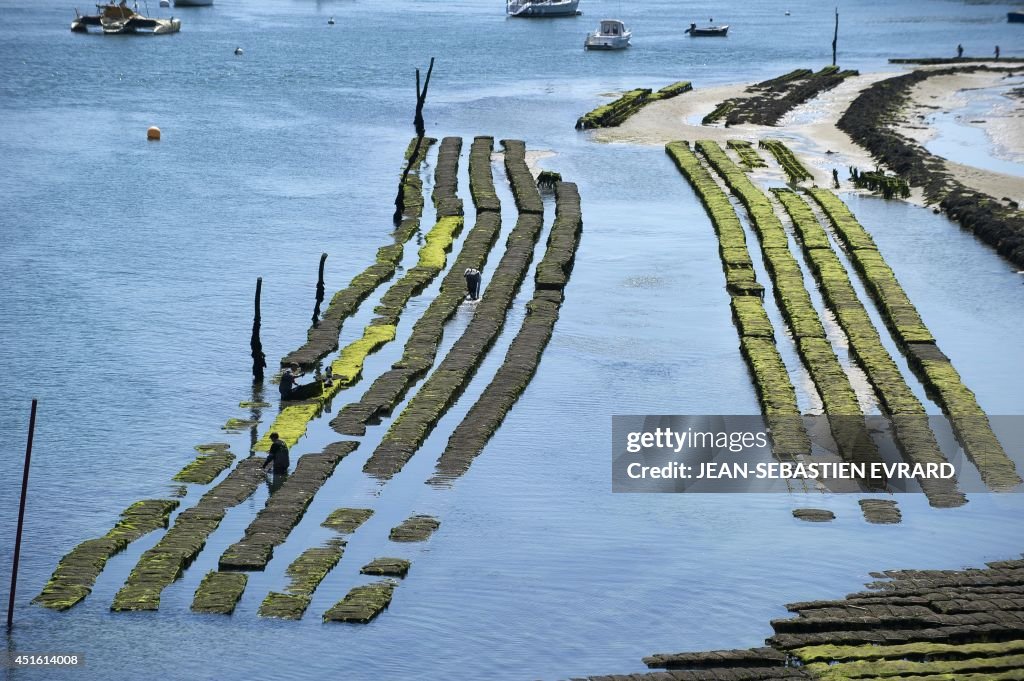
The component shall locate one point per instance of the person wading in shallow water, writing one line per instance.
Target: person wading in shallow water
(473, 278)
(278, 455)
(288, 378)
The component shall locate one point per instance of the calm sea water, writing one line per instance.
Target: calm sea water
(125, 307)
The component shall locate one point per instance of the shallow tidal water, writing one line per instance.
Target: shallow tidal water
(126, 308)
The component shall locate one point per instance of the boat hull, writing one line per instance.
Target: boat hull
(717, 32)
(617, 42)
(540, 10)
(193, 3)
(1015, 17)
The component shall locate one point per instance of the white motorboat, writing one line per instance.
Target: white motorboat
(542, 8)
(612, 35)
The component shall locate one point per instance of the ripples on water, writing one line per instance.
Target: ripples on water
(129, 269)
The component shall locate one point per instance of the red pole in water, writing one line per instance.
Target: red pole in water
(21, 513)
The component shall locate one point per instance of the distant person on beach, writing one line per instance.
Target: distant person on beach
(959, 51)
(473, 278)
(278, 455)
(997, 52)
(287, 385)
(835, 178)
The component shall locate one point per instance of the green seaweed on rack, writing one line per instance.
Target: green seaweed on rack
(77, 571)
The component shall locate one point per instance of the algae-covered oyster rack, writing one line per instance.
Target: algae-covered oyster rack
(218, 481)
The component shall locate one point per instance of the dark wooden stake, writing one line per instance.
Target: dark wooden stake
(319, 291)
(421, 99)
(835, 38)
(259, 360)
(21, 514)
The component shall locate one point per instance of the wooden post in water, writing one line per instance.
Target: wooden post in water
(421, 99)
(259, 360)
(835, 38)
(21, 514)
(319, 291)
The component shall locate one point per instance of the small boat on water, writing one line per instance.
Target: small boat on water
(612, 35)
(193, 3)
(542, 8)
(1015, 17)
(118, 19)
(707, 31)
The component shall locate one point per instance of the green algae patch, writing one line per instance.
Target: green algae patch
(481, 180)
(236, 424)
(349, 365)
(219, 592)
(952, 669)
(253, 405)
(363, 603)
(206, 467)
(77, 571)
(414, 529)
(616, 112)
(749, 158)
(386, 567)
(555, 267)
(439, 240)
(347, 520)
(524, 188)
(212, 447)
(915, 651)
(794, 169)
(750, 317)
(306, 572)
(284, 606)
(291, 423)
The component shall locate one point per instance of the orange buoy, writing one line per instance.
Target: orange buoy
(153, 134)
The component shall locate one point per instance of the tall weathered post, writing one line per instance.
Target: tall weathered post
(835, 38)
(319, 291)
(259, 360)
(21, 514)
(421, 99)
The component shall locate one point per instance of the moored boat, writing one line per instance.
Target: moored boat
(119, 19)
(193, 3)
(1015, 17)
(611, 35)
(707, 31)
(542, 8)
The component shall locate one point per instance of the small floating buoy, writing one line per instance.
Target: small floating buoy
(238, 51)
(330, 22)
(153, 134)
(787, 12)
